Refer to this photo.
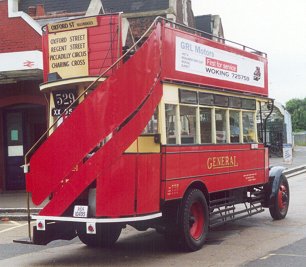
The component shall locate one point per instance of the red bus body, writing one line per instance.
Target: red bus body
(136, 186)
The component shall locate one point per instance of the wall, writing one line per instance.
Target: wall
(16, 34)
(140, 25)
(185, 6)
(299, 139)
(25, 92)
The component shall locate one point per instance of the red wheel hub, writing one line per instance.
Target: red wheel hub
(196, 220)
(282, 197)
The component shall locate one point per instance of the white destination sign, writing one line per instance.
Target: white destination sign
(203, 60)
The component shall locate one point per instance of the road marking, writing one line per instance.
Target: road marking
(14, 222)
(12, 228)
(268, 256)
(286, 255)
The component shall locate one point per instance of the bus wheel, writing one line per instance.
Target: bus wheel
(280, 204)
(193, 220)
(106, 235)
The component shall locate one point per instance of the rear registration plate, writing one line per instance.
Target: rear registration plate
(80, 211)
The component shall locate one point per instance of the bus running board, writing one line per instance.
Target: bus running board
(228, 213)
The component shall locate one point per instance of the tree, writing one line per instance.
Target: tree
(297, 109)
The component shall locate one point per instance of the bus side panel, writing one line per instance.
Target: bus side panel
(148, 184)
(219, 167)
(116, 188)
(175, 189)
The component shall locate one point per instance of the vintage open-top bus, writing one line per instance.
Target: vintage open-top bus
(167, 135)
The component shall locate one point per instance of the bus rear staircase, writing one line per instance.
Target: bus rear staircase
(115, 113)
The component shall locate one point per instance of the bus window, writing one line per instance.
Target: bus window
(220, 118)
(221, 100)
(248, 104)
(188, 97)
(188, 124)
(206, 99)
(248, 127)
(205, 125)
(234, 102)
(152, 126)
(171, 127)
(234, 126)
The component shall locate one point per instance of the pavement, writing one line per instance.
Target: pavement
(296, 166)
(13, 205)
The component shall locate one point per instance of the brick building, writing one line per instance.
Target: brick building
(212, 25)
(23, 108)
(141, 14)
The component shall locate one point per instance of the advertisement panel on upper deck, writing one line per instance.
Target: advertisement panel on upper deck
(202, 61)
(199, 59)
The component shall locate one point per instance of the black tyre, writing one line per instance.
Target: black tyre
(106, 235)
(280, 205)
(193, 220)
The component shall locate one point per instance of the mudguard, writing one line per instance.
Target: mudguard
(275, 176)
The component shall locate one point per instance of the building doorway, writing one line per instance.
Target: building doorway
(23, 125)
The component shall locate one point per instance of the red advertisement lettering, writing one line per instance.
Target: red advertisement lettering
(214, 63)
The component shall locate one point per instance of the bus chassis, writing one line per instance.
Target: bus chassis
(184, 223)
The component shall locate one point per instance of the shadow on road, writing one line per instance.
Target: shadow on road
(133, 249)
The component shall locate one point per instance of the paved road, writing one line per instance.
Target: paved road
(254, 241)
(291, 255)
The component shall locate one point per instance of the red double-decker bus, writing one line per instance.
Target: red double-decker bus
(169, 135)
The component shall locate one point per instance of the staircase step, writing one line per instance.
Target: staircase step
(19, 210)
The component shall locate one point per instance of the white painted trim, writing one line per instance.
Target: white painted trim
(94, 8)
(228, 127)
(170, 94)
(185, 12)
(171, 17)
(14, 13)
(97, 220)
(198, 126)
(69, 81)
(255, 127)
(162, 121)
(178, 124)
(25, 60)
(172, 6)
(213, 125)
(240, 127)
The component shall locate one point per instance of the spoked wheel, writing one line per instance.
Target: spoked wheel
(106, 235)
(193, 220)
(280, 206)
